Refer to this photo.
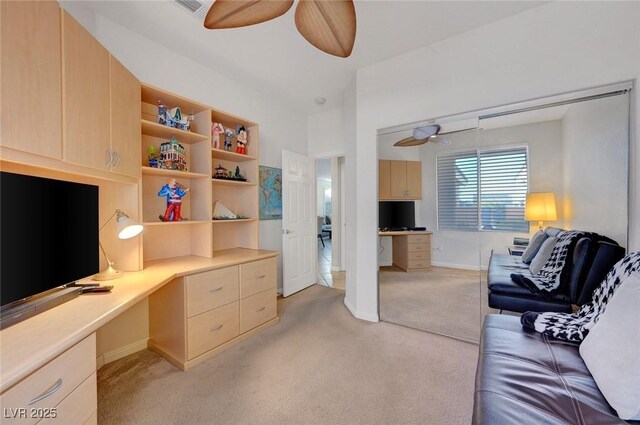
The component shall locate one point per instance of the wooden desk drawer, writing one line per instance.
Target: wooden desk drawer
(257, 276)
(209, 290)
(424, 255)
(419, 247)
(257, 309)
(58, 378)
(419, 264)
(419, 239)
(208, 330)
(79, 406)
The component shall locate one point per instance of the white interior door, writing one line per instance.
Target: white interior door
(299, 224)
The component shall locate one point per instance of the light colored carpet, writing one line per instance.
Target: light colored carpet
(319, 365)
(443, 300)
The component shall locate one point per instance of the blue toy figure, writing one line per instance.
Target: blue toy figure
(174, 192)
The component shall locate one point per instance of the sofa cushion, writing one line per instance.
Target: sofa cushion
(611, 350)
(523, 378)
(534, 245)
(543, 255)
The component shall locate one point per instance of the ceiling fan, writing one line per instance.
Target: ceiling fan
(424, 134)
(329, 25)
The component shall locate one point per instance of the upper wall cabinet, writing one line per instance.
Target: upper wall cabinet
(400, 180)
(30, 88)
(86, 103)
(125, 120)
(101, 105)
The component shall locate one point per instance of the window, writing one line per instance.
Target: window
(483, 190)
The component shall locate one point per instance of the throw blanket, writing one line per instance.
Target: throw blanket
(575, 327)
(550, 276)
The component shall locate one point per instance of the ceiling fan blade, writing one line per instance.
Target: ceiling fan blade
(242, 13)
(330, 25)
(410, 141)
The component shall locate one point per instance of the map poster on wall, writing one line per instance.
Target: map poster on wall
(270, 182)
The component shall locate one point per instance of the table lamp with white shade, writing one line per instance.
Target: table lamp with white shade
(127, 229)
(540, 206)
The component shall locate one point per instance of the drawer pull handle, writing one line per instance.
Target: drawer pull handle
(219, 288)
(260, 309)
(262, 276)
(51, 391)
(216, 329)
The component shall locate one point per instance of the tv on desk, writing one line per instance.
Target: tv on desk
(396, 215)
(48, 235)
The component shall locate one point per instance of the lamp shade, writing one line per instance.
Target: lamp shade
(127, 228)
(540, 206)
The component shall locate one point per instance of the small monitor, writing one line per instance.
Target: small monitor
(396, 214)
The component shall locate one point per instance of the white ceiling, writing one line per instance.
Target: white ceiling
(275, 60)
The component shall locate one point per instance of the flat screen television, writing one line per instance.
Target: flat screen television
(396, 214)
(48, 234)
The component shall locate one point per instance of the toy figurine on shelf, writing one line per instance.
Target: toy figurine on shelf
(173, 118)
(228, 134)
(172, 156)
(238, 176)
(153, 157)
(216, 130)
(174, 192)
(241, 131)
(220, 173)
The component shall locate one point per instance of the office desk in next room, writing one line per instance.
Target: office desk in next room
(411, 249)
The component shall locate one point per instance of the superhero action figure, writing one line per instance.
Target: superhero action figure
(242, 141)
(174, 192)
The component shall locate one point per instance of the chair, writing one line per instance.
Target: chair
(320, 223)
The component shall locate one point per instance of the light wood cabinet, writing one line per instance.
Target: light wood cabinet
(398, 180)
(86, 97)
(384, 179)
(412, 252)
(30, 84)
(67, 383)
(196, 316)
(125, 120)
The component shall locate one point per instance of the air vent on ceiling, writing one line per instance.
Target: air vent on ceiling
(195, 7)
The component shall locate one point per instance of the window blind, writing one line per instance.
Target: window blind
(483, 190)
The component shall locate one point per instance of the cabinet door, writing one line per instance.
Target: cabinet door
(398, 179)
(125, 120)
(30, 77)
(384, 179)
(85, 75)
(414, 179)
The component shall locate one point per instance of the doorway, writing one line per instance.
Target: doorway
(329, 190)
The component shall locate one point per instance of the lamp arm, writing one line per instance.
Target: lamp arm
(108, 220)
(109, 262)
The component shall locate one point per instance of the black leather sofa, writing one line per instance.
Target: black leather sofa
(587, 267)
(526, 378)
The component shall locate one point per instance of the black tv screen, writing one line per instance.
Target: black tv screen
(48, 234)
(396, 214)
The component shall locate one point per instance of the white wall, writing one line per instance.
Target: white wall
(325, 134)
(556, 48)
(461, 249)
(596, 133)
(281, 127)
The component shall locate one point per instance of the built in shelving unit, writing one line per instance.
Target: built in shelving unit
(200, 234)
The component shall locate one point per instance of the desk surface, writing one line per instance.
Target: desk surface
(29, 345)
(405, 232)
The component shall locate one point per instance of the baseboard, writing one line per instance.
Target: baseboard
(369, 317)
(385, 264)
(335, 269)
(118, 353)
(475, 268)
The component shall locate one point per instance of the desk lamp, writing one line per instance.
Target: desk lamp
(540, 206)
(127, 229)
